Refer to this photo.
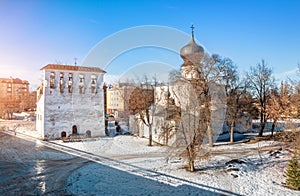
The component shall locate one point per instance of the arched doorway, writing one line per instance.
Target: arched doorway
(74, 129)
(88, 133)
(63, 134)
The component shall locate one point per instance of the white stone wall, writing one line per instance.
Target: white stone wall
(182, 95)
(61, 111)
(40, 116)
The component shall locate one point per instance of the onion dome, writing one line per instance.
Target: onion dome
(192, 51)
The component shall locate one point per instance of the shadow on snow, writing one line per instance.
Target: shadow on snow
(42, 177)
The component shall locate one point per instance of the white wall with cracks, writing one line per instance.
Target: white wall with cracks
(71, 101)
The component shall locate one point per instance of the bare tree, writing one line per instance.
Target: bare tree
(28, 102)
(209, 74)
(279, 104)
(8, 106)
(2, 108)
(205, 77)
(260, 83)
(170, 115)
(168, 131)
(295, 97)
(200, 116)
(234, 91)
(190, 133)
(296, 100)
(141, 103)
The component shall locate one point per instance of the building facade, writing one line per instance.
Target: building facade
(124, 98)
(70, 101)
(13, 95)
(115, 99)
(14, 88)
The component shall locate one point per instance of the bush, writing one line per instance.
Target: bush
(293, 174)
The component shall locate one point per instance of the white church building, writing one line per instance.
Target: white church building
(70, 102)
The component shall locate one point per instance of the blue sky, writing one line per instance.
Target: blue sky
(34, 33)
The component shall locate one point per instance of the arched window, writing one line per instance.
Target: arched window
(70, 82)
(81, 78)
(63, 134)
(81, 89)
(74, 129)
(93, 83)
(61, 82)
(52, 80)
(88, 133)
(94, 79)
(81, 83)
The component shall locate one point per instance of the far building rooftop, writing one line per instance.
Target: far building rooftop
(13, 80)
(72, 68)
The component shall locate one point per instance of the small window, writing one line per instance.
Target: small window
(61, 82)
(70, 82)
(94, 79)
(81, 84)
(93, 89)
(88, 134)
(81, 78)
(93, 83)
(81, 89)
(70, 77)
(74, 129)
(52, 80)
(63, 134)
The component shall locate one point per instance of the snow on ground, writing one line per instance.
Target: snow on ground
(113, 146)
(22, 114)
(137, 169)
(246, 169)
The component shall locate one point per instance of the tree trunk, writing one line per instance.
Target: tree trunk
(232, 131)
(191, 166)
(190, 153)
(209, 135)
(261, 126)
(261, 129)
(273, 127)
(150, 135)
(167, 137)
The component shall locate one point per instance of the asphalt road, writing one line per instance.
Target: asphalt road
(27, 168)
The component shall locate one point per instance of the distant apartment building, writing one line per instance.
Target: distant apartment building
(123, 98)
(14, 93)
(13, 88)
(116, 103)
(70, 101)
